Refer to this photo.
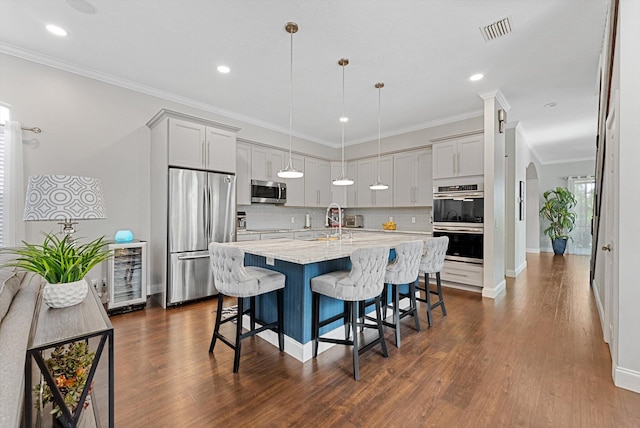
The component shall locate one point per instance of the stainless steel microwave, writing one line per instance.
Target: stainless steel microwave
(268, 192)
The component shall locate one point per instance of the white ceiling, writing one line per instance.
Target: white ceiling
(424, 52)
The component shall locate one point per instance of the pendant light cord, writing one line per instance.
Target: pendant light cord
(342, 121)
(378, 166)
(290, 98)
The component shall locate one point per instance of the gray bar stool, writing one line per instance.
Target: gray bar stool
(364, 281)
(432, 262)
(233, 278)
(403, 270)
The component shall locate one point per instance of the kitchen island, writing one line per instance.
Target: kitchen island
(300, 261)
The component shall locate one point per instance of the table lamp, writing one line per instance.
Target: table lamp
(65, 198)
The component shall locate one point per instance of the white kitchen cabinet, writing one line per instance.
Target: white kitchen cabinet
(194, 145)
(412, 182)
(367, 175)
(295, 186)
(317, 183)
(352, 191)
(458, 158)
(338, 193)
(266, 162)
(243, 174)
(276, 235)
(241, 237)
(462, 273)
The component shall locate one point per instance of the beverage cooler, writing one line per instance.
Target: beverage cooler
(127, 276)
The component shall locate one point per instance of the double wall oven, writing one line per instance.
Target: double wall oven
(458, 212)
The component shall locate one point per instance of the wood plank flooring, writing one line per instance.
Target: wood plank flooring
(533, 357)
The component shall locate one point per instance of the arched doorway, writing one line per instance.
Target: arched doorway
(532, 207)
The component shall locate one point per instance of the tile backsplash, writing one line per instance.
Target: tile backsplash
(266, 216)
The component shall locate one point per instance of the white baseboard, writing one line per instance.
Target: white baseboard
(627, 379)
(600, 307)
(493, 292)
(533, 250)
(514, 273)
(546, 249)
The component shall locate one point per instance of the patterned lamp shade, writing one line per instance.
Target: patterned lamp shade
(64, 197)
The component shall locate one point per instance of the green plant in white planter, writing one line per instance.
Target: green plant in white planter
(558, 210)
(63, 264)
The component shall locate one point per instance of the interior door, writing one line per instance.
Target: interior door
(608, 249)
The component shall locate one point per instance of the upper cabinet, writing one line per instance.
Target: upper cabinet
(458, 158)
(338, 193)
(243, 174)
(367, 174)
(266, 162)
(195, 145)
(295, 186)
(412, 182)
(317, 182)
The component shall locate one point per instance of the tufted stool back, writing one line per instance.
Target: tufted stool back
(436, 250)
(366, 278)
(229, 274)
(405, 268)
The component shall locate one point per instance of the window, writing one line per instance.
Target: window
(4, 115)
(583, 189)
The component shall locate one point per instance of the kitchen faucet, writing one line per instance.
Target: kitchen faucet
(327, 217)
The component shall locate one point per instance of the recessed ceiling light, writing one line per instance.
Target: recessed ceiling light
(550, 105)
(476, 77)
(344, 119)
(54, 29)
(223, 69)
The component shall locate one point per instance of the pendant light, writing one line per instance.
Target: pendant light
(290, 171)
(342, 180)
(378, 185)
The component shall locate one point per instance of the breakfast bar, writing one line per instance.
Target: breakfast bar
(300, 261)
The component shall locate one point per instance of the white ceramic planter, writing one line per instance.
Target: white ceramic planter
(64, 295)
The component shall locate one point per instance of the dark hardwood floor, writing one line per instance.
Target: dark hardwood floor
(533, 357)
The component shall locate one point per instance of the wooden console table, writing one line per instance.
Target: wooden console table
(54, 327)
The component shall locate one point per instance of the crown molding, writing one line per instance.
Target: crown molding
(144, 89)
(497, 94)
(419, 127)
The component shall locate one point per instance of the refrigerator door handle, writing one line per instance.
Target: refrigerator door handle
(201, 256)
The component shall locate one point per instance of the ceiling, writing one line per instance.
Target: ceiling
(424, 52)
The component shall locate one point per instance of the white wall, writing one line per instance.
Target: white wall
(627, 369)
(555, 175)
(413, 139)
(532, 205)
(494, 194)
(518, 156)
(98, 129)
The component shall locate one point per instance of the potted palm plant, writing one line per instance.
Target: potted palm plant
(63, 263)
(558, 210)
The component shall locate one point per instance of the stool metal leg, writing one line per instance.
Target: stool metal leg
(356, 350)
(252, 302)
(280, 296)
(396, 312)
(427, 293)
(440, 296)
(216, 327)
(236, 357)
(383, 344)
(315, 321)
(414, 304)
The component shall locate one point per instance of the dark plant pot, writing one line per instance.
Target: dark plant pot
(559, 245)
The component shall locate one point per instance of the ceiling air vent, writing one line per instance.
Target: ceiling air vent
(497, 29)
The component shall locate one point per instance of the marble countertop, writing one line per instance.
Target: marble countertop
(354, 230)
(306, 252)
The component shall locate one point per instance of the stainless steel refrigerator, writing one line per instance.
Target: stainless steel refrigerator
(202, 209)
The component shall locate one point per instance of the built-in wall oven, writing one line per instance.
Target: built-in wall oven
(458, 212)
